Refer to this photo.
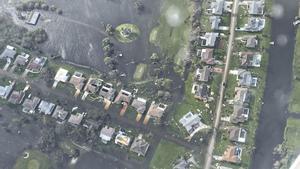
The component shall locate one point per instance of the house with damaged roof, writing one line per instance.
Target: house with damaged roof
(122, 139)
(106, 134)
(76, 119)
(30, 105)
(251, 42)
(202, 75)
(139, 104)
(139, 145)
(6, 90)
(207, 56)
(60, 114)
(240, 114)
(192, 123)
(237, 134)
(8, 54)
(155, 112)
(245, 79)
(201, 91)
(92, 87)
(22, 59)
(209, 39)
(124, 97)
(107, 92)
(46, 108)
(16, 97)
(233, 154)
(254, 24)
(242, 96)
(217, 7)
(256, 7)
(250, 59)
(36, 64)
(78, 81)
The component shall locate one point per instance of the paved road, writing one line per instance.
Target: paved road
(212, 141)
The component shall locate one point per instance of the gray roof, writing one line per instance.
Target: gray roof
(215, 21)
(202, 92)
(33, 18)
(8, 53)
(202, 75)
(251, 42)
(190, 122)
(217, 7)
(16, 97)
(207, 56)
(255, 24)
(139, 146)
(106, 133)
(21, 60)
(5, 91)
(139, 104)
(242, 96)
(209, 39)
(76, 118)
(256, 7)
(46, 107)
(245, 79)
(107, 92)
(240, 114)
(60, 114)
(29, 105)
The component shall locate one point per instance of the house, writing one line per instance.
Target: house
(36, 64)
(123, 96)
(139, 145)
(107, 91)
(60, 114)
(9, 53)
(191, 122)
(254, 24)
(76, 119)
(215, 21)
(240, 114)
(202, 92)
(245, 79)
(33, 18)
(106, 134)
(233, 154)
(46, 107)
(256, 7)
(251, 42)
(122, 139)
(209, 39)
(29, 105)
(5, 91)
(78, 80)
(22, 60)
(62, 75)
(155, 111)
(250, 59)
(217, 7)
(237, 134)
(207, 56)
(242, 96)
(139, 104)
(202, 75)
(93, 86)
(16, 97)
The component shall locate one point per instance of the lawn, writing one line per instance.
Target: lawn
(36, 160)
(294, 105)
(166, 154)
(171, 35)
(139, 71)
(292, 135)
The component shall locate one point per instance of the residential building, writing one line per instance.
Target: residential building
(240, 114)
(237, 134)
(202, 92)
(233, 154)
(256, 7)
(9, 53)
(254, 24)
(78, 80)
(217, 7)
(139, 145)
(46, 108)
(250, 59)
(245, 79)
(155, 111)
(5, 91)
(106, 134)
(36, 64)
(123, 96)
(92, 87)
(252, 42)
(207, 56)
(242, 96)
(22, 59)
(60, 114)
(202, 75)
(139, 104)
(16, 97)
(108, 92)
(33, 18)
(191, 122)
(30, 105)
(215, 21)
(209, 39)
(122, 139)
(62, 75)
(76, 119)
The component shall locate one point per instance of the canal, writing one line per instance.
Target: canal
(273, 115)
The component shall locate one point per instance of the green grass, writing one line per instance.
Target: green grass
(172, 39)
(294, 105)
(140, 71)
(36, 160)
(135, 32)
(292, 135)
(166, 154)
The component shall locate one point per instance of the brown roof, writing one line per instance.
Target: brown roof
(123, 96)
(240, 114)
(93, 85)
(16, 97)
(156, 110)
(232, 154)
(36, 64)
(207, 56)
(78, 80)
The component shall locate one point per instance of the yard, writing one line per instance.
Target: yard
(35, 160)
(166, 154)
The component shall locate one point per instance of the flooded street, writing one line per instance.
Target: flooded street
(278, 85)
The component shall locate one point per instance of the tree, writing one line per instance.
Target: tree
(109, 29)
(139, 6)
(105, 42)
(154, 58)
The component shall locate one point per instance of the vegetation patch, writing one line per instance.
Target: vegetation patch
(127, 33)
(33, 159)
(140, 71)
(166, 154)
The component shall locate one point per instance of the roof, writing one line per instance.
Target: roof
(207, 56)
(251, 42)
(29, 105)
(202, 75)
(139, 104)
(36, 64)
(215, 21)
(123, 96)
(240, 114)
(62, 75)
(190, 122)
(76, 118)
(46, 107)
(8, 53)
(5, 91)
(233, 154)
(202, 92)
(209, 39)
(93, 85)
(122, 139)
(107, 91)
(139, 145)
(106, 133)
(256, 7)
(245, 79)
(156, 110)
(237, 134)
(217, 7)
(242, 96)
(60, 114)
(250, 59)
(16, 97)
(21, 59)
(255, 24)
(78, 80)
(33, 18)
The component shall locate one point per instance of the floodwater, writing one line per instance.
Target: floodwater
(278, 85)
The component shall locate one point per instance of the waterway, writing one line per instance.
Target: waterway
(273, 115)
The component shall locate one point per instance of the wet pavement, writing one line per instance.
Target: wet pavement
(273, 115)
